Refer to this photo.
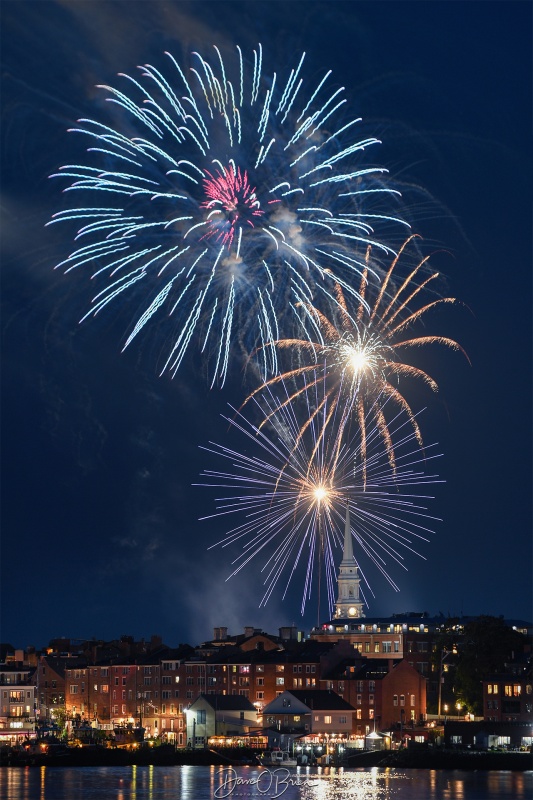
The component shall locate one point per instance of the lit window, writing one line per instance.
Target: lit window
(327, 719)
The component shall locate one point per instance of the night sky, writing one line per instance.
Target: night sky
(100, 530)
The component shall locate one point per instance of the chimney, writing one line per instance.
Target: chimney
(221, 634)
(249, 630)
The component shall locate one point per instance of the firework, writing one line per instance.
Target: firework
(295, 490)
(225, 196)
(360, 356)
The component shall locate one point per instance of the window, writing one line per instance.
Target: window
(371, 699)
(412, 700)
(387, 647)
(376, 647)
(317, 718)
(359, 686)
(327, 719)
(280, 681)
(396, 647)
(147, 670)
(244, 669)
(402, 699)
(367, 647)
(359, 699)
(359, 714)
(259, 668)
(166, 679)
(492, 688)
(104, 688)
(259, 695)
(200, 716)
(166, 694)
(343, 720)
(74, 688)
(260, 681)
(371, 686)
(280, 668)
(371, 713)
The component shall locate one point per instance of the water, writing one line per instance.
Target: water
(251, 783)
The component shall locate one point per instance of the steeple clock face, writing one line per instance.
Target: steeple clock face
(352, 611)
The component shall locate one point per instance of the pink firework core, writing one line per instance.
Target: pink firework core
(232, 203)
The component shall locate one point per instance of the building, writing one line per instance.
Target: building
(387, 695)
(219, 715)
(317, 713)
(508, 697)
(17, 702)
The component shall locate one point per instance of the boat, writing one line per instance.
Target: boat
(277, 758)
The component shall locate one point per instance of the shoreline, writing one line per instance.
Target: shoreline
(423, 758)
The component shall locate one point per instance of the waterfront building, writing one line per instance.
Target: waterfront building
(317, 712)
(508, 696)
(17, 702)
(219, 715)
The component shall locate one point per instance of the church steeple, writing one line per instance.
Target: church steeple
(348, 603)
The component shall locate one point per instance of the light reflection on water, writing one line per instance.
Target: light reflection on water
(251, 783)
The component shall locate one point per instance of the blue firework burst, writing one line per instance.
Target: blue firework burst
(290, 491)
(226, 197)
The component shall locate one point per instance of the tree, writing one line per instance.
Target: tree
(487, 645)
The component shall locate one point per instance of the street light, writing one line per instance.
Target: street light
(443, 656)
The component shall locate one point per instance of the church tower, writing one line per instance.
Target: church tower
(348, 603)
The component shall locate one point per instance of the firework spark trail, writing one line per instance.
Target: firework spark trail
(293, 494)
(359, 355)
(232, 196)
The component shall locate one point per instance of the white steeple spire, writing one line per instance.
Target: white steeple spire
(348, 603)
(347, 553)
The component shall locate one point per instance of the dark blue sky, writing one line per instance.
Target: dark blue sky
(99, 521)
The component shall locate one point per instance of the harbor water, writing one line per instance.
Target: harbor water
(252, 783)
